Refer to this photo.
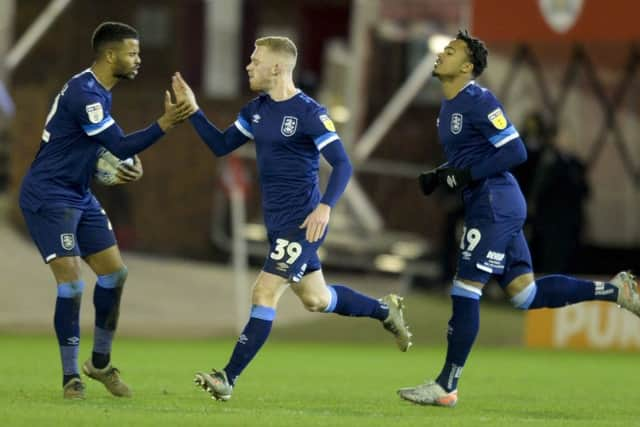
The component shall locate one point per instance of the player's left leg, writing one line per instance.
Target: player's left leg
(101, 253)
(54, 232)
(267, 291)
(557, 290)
(317, 296)
(482, 255)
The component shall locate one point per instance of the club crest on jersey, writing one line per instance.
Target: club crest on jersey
(328, 123)
(289, 125)
(497, 119)
(68, 241)
(456, 123)
(94, 112)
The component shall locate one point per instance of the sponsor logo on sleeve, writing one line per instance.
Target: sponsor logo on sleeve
(328, 123)
(94, 112)
(497, 119)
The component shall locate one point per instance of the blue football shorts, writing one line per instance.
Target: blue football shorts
(64, 231)
(493, 249)
(291, 255)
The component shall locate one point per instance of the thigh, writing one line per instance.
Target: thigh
(66, 269)
(54, 231)
(291, 255)
(107, 261)
(483, 249)
(312, 284)
(95, 233)
(518, 265)
(268, 289)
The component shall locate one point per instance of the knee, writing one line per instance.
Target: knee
(263, 296)
(314, 302)
(465, 290)
(523, 299)
(115, 279)
(66, 269)
(72, 289)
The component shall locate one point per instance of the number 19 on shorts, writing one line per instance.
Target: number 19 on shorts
(470, 239)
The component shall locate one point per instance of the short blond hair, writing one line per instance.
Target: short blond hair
(279, 44)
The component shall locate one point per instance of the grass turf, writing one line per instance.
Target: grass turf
(320, 384)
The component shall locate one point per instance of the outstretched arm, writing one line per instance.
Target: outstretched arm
(219, 142)
(124, 146)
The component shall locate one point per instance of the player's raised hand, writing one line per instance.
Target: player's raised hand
(174, 113)
(182, 90)
(130, 172)
(316, 222)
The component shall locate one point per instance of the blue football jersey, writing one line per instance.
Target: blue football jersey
(288, 136)
(65, 163)
(471, 126)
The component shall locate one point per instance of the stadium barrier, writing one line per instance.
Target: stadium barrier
(593, 325)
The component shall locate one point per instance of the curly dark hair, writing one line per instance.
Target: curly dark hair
(476, 50)
(109, 32)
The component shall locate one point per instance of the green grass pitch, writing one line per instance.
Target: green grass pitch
(294, 383)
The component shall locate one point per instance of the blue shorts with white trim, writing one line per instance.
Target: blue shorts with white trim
(291, 255)
(493, 249)
(63, 231)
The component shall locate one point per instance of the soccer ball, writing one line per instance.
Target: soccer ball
(107, 167)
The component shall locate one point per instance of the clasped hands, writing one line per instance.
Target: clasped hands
(185, 105)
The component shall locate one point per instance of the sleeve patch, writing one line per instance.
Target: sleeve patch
(327, 122)
(95, 112)
(497, 119)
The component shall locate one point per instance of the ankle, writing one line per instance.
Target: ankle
(67, 378)
(100, 360)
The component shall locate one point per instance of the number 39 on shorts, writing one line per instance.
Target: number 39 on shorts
(284, 247)
(470, 239)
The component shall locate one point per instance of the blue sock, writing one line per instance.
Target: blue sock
(253, 336)
(106, 300)
(347, 302)
(463, 329)
(557, 291)
(66, 322)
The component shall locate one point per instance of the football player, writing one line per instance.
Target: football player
(481, 145)
(290, 131)
(65, 220)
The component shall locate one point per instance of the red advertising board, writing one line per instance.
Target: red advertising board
(556, 20)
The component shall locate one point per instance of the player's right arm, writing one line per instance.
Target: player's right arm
(96, 122)
(219, 142)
